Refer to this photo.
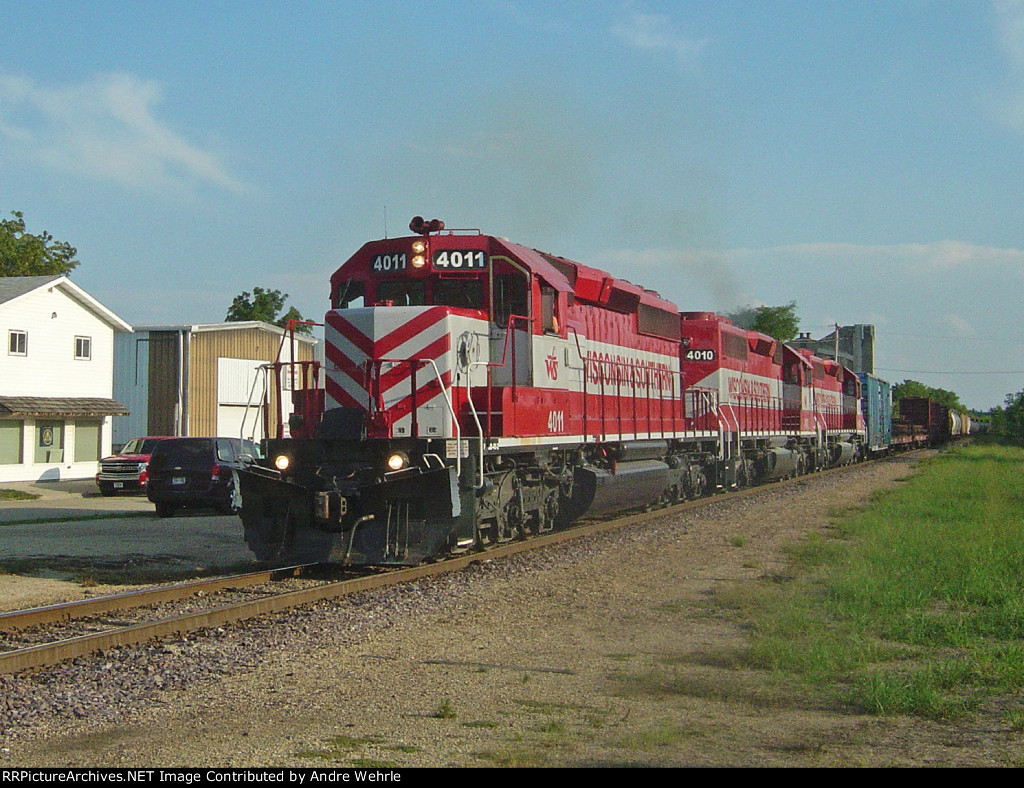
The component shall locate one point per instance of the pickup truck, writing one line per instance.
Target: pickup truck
(126, 470)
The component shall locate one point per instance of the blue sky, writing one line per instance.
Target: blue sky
(860, 158)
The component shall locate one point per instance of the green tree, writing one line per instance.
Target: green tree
(265, 305)
(25, 254)
(1007, 422)
(780, 322)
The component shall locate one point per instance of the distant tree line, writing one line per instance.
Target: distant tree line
(1006, 423)
(911, 388)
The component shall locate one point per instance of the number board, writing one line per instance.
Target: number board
(459, 260)
(389, 263)
(700, 355)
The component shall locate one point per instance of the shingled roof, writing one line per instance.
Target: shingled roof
(11, 407)
(13, 286)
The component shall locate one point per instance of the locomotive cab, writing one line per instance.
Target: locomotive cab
(425, 332)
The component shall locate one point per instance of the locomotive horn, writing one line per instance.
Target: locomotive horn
(421, 226)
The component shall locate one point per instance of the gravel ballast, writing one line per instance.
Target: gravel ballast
(607, 651)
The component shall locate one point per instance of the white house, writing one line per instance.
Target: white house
(56, 379)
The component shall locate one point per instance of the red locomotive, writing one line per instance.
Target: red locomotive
(478, 391)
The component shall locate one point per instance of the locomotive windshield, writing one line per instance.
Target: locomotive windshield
(465, 293)
(459, 292)
(404, 292)
(349, 293)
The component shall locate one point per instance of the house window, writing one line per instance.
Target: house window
(17, 343)
(83, 348)
(87, 440)
(10, 442)
(49, 442)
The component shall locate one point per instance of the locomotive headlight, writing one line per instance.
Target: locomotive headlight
(282, 462)
(397, 461)
(419, 253)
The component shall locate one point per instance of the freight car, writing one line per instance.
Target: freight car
(876, 404)
(479, 391)
(926, 422)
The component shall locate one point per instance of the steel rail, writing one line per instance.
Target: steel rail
(70, 648)
(17, 620)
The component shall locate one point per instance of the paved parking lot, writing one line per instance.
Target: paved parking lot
(71, 520)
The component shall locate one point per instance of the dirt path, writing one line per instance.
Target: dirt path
(611, 653)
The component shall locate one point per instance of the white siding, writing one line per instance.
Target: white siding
(30, 470)
(52, 319)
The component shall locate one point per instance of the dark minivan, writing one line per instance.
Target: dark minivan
(196, 472)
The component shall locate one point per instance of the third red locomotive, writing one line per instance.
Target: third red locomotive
(477, 391)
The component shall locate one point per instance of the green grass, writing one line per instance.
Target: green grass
(914, 604)
(17, 495)
(664, 735)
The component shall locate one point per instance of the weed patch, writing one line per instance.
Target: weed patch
(446, 711)
(657, 737)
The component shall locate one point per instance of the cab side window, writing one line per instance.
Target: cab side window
(548, 308)
(510, 297)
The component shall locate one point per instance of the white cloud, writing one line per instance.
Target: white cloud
(655, 33)
(1009, 20)
(104, 128)
(1010, 28)
(941, 255)
(961, 327)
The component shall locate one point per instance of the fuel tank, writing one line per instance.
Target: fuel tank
(626, 485)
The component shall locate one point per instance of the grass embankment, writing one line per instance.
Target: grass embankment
(915, 604)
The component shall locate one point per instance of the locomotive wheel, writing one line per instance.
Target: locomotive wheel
(510, 526)
(698, 486)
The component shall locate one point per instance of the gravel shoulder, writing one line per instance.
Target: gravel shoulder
(610, 651)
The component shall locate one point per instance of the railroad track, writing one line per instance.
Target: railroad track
(49, 635)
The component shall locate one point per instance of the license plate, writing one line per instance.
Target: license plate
(118, 485)
(178, 480)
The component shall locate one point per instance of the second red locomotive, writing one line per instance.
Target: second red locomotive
(478, 391)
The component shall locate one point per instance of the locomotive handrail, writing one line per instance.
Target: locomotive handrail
(613, 376)
(476, 417)
(444, 393)
(509, 331)
(275, 367)
(583, 377)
